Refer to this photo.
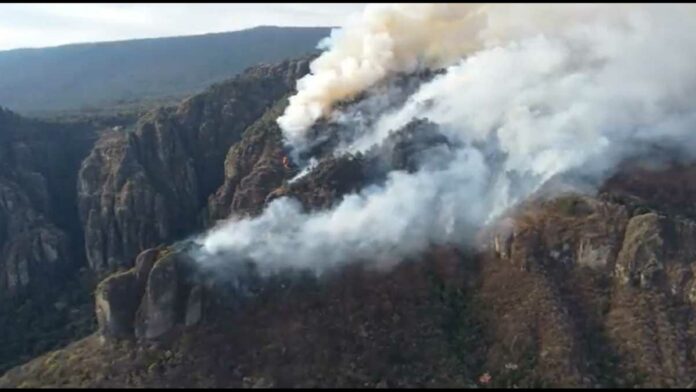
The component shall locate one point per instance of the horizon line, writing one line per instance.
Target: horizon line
(163, 37)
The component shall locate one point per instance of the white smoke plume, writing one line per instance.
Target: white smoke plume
(547, 89)
(381, 225)
(368, 49)
(392, 38)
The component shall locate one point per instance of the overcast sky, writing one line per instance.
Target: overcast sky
(39, 25)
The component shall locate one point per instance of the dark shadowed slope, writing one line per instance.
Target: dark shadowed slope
(52, 173)
(42, 304)
(111, 73)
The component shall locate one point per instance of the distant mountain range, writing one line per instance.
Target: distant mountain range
(94, 75)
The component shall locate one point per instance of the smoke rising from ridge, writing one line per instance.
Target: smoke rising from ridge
(521, 102)
(393, 38)
(385, 40)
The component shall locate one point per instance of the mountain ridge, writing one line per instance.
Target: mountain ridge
(260, 27)
(89, 75)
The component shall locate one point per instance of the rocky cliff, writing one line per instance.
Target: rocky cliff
(252, 169)
(149, 186)
(150, 299)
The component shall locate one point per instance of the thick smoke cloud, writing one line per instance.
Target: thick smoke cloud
(386, 39)
(379, 224)
(522, 102)
(393, 38)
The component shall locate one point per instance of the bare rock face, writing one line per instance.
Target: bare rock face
(161, 303)
(658, 253)
(567, 231)
(118, 297)
(117, 222)
(139, 189)
(116, 300)
(143, 265)
(194, 306)
(642, 255)
(149, 300)
(257, 169)
(253, 169)
(325, 184)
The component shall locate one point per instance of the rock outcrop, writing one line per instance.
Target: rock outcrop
(116, 301)
(146, 187)
(612, 274)
(258, 169)
(567, 231)
(324, 185)
(253, 168)
(150, 299)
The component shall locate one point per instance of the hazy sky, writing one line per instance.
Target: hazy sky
(38, 25)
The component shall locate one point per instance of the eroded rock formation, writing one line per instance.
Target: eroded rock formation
(150, 299)
(140, 189)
